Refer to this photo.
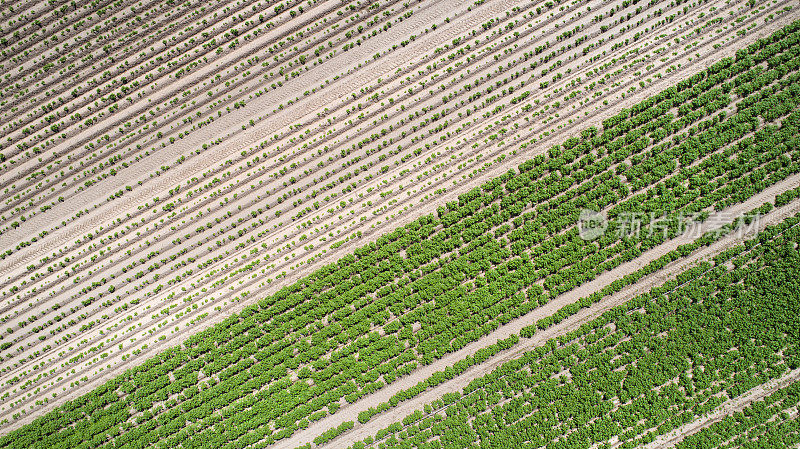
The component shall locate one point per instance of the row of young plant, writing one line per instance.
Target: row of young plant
(116, 161)
(646, 367)
(306, 208)
(223, 218)
(638, 9)
(118, 142)
(255, 161)
(433, 267)
(183, 251)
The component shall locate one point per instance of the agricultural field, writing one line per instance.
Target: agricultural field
(412, 224)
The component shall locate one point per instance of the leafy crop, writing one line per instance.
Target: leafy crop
(642, 369)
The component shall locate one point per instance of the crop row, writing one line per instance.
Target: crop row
(651, 365)
(92, 146)
(566, 311)
(308, 208)
(53, 195)
(251, 162)
(461, 279)
(772, 422)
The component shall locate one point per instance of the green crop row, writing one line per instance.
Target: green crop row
(646, 367)
(767, 423)
(571, 309)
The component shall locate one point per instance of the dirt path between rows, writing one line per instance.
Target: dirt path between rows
(350, 412)
(725, 409)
